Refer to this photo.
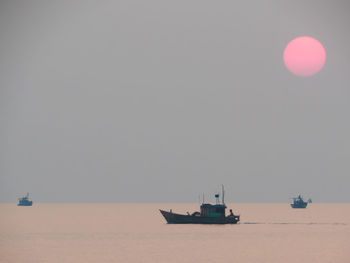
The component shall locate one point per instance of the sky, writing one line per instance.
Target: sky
(161, 101)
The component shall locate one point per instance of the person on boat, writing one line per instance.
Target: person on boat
(231, 213)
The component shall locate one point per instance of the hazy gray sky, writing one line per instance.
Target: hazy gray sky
(159, 101)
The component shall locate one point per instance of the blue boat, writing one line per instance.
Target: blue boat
(24, 201)
(209, 214)
(298, 202)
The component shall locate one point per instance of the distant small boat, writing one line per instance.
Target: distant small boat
(298, 202)
(24, 201)
(209, 214)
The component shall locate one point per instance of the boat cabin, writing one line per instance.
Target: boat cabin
(210, 210)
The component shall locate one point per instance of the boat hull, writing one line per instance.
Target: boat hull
(173, 218)
(299, 205)
(30, 203)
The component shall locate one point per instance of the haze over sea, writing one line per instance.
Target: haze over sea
(115, 232)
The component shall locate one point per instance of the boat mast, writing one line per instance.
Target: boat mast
(223, 194)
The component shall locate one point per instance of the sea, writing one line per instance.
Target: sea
(137, 232)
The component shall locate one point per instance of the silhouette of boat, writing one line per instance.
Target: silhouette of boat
(24, 201)
(209, 214)
(298, 202)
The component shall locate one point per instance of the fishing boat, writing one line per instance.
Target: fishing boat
(24, 201)
(209, 214)
(298, 202)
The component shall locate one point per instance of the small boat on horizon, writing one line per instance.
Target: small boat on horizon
(209, 214)
(298, 202)
(24, 201)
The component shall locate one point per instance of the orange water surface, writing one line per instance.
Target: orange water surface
(111, 232)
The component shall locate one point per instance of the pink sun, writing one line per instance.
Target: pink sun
(304, 56)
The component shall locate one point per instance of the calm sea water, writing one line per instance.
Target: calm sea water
(83, 233)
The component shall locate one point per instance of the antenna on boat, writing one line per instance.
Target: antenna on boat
(217, 196)
(223, 194)
(203, 199)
